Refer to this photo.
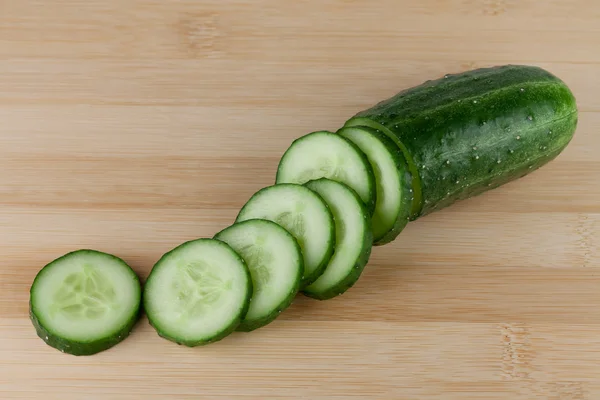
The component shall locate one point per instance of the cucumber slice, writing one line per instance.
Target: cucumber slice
(354, 240)
(276, 266)
(328, 155)
(304, 214)
(85, 302)
(198, 292)
(393, 180)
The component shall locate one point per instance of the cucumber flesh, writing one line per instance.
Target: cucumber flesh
(304, 214)
(354, 240)
(198, 292)
(328, 155)
(85, 302)
(392, 179)
(416, 205)
(276, 266)
(472, 132)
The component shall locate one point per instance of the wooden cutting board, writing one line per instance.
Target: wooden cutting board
(132, 126)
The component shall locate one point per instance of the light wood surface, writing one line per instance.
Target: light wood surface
(130, 126)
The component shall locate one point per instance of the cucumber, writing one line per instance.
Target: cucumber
(393, 181)
(324, 154)
(85, 302)
(276, 266)
(304, 214)
(198, 292)
(471, 132)
(354, 239)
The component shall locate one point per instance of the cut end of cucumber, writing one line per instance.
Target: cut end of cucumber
(417, 205)
(276, 265)
(85, 302)
(392, 178)
(325, 154)
(198, 292)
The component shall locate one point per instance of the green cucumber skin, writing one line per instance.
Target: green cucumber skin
(248, 326)
(365, 253)
(84, 348)
(225, 332)
(458, 127)
(406, 181)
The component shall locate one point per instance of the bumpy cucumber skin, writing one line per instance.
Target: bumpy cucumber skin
(370, 204)
(251, 325)
(223, 333)
(365, 253)
(307, 279)
(406, 181)
(78, 348)
(471, 132)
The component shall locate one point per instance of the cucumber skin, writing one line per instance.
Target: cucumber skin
(447, 123)
(406, 186)
(249, 326)
(84, 348)
(225, 332)
(361, 262)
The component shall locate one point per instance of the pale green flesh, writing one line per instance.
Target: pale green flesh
(274, 260)
(326, 155)
(302, 213)
(351, 226)
(387, 180)
(196, 291)
(85, 297)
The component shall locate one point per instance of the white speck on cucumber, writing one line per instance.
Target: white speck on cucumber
(447, 161)
(530, 118)
(518, 137)
(446, 76)
(477, 157)
(522, 89)
(474, 148)
(499, 161)
(457, 182)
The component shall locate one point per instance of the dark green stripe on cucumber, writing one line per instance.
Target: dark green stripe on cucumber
(471, 132)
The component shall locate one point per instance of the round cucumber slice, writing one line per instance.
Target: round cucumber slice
(85, 302)
(198, 292)
(417, 203)
(328, 155)
(392, 179)
(304, 214)
(276, 266)
(354, 240)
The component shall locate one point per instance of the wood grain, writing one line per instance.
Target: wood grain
(132, 126)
